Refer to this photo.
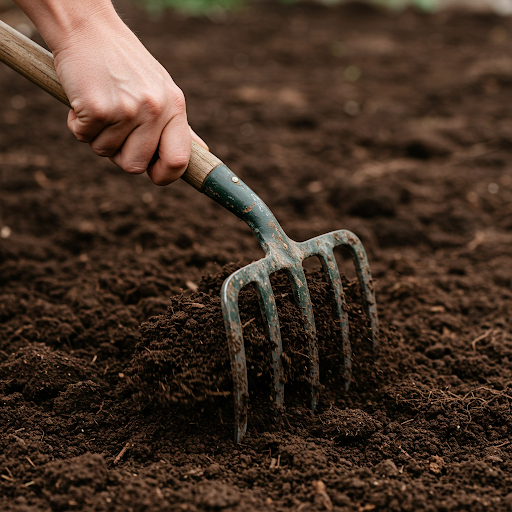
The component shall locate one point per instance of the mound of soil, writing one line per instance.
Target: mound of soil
(115, 389)
(183, 358)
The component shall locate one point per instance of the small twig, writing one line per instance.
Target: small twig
(120, 455)
(194, 305)
(500, 445)
(248, 322)
(19, 439)
(404, 452)
(493, 391)
(30, 461)
(218, 393)
(469, 414)
(129, 292)
(480, 338)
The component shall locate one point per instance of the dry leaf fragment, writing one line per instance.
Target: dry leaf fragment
(321, 492)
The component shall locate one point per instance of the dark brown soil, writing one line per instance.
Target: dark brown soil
(114, 376)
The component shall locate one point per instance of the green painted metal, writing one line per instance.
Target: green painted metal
(282, 253)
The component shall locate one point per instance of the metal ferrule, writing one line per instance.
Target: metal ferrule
(227, 189)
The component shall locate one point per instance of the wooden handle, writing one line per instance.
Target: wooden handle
(35, 63)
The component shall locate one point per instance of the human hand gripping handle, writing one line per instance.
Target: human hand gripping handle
(35, 63)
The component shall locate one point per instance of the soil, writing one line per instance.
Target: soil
(115, 389)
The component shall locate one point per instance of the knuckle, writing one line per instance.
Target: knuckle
(104, 151)
(176, 162)
(129, 110)
(154, 105)
(101, 112)
(93, 108)
(179, 102)
(104, 148)
(134, 168)
(82, 137)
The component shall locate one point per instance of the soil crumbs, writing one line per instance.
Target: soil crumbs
(114, 373)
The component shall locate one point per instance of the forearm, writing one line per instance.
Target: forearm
(62, 21)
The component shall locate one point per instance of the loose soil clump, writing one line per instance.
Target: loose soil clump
(114, 373)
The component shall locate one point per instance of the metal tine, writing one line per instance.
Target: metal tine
(364, 276)
(272, 329)
(330, 267)
(322, 245)
(256, 273)
(229, 302)
(301, 294)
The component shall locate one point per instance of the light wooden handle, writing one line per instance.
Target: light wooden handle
(35, 63)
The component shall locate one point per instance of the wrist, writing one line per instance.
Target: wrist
(60, 22)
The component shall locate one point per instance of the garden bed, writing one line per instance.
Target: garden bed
(395, 126)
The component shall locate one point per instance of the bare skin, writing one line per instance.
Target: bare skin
(125, 104)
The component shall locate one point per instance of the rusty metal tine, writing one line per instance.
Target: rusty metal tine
(269, 312)
(352, 242)
(301, 293)
(229, 302)
(256, 273)
(322, 248)
(334, 280)
(321, 245)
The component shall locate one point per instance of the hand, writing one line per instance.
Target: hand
(125, 104)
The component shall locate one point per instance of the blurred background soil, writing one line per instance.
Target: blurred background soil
(397, 126)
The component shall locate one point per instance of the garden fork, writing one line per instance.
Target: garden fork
(207, 174)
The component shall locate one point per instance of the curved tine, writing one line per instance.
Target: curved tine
(321, 247)
(303, 299)
(334, 280)
(229, 302)
(269, 311)
(352, 242)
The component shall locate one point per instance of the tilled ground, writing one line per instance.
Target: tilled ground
(114, 375)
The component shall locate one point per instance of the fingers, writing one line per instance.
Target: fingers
(105, 139)
(84, 130)
(86, 124)
(109, 141)
(136, 151)
(132, 146)
(174, 152)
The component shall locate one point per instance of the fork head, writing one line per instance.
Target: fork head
(282, 253)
